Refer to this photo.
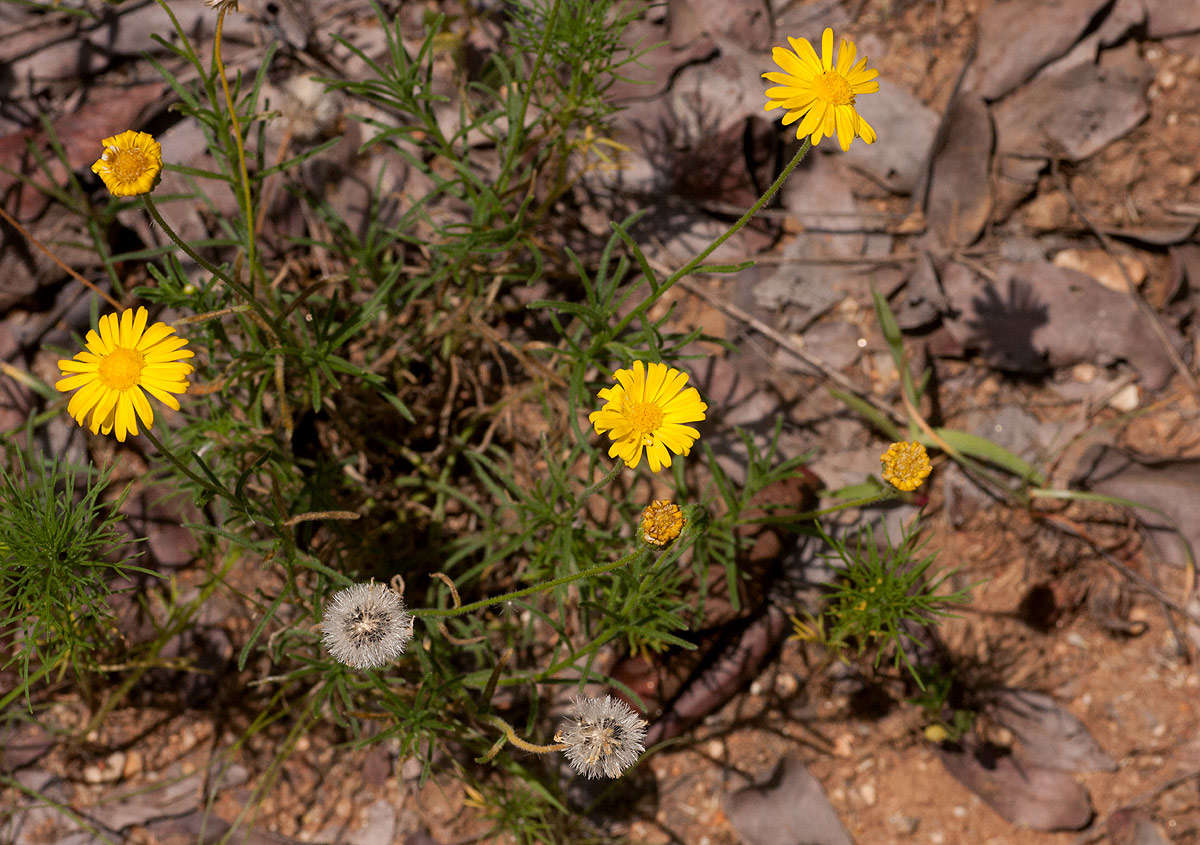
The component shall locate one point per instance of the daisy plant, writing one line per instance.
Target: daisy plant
(123, 362)
(820, 91)
(648, 409)
(131, 163)
(383, 366)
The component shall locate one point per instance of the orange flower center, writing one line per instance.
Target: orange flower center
(661, 522)
(645, 417)
(833, 88)
(129, 165)
(121, 369)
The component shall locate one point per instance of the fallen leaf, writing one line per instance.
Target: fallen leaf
(1185, 272)
(907, 124)
(745, 23)
(1016, 178)
(1126, 16)
(1133, 826)
(789, 809)
(21, 744)
(1032, 316)
(1044, 30)
(1170, 485)
(921, 302)
(1162, 234)
(1115, 273)
(1050, 736)
(1071, 115)
(1165, 18)
(1022, 793)
(959, 200)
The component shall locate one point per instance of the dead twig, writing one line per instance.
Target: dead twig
(87, 284)
(790, 345)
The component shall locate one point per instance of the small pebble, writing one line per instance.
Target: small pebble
(867, 791)
(960, 812)
(904, 825)
(937, 837)
(1126, 399)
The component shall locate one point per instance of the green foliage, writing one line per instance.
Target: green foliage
(881, 589)
(936, 698)
(58, 561)
(381, 398)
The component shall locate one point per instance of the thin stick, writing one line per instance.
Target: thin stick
(1068, 526)
(25, 234)
(790, 345)
(248, 208)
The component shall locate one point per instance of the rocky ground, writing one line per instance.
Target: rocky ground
(1030, 211)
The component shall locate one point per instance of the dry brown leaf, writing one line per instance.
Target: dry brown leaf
(959, 201)
(1018, 37)
(1049, 735)
(789, 809)
(1071, 115)
(1023, 793)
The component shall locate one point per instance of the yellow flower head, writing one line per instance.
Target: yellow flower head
(822, 90)
(647, 407)
(661, 522)
(130, 164)
(121, 360)
(906, 465)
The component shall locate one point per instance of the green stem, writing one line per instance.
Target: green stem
(438, 612)
(518, 128)
(247, 203)
(711, 248)
(587, 493)
(205, 484)
(242, 291)
(186, 44)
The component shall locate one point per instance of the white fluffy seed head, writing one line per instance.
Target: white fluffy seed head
(602, 737)
(366, 626)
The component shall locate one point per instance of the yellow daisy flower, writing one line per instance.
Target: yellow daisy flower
(130, 164)
(822, 90)
(647, 407)
(121, 360)
(662, 520)
(906, 465)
